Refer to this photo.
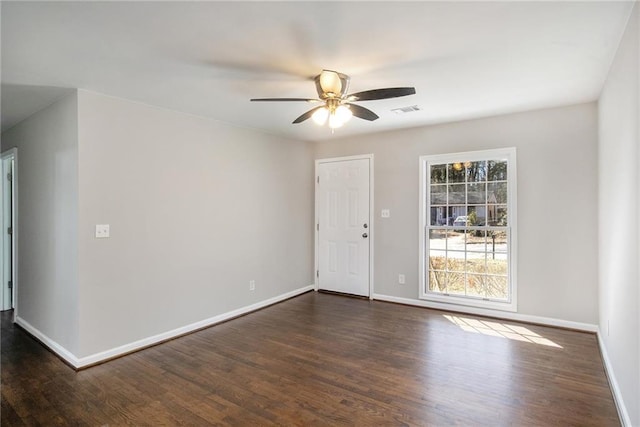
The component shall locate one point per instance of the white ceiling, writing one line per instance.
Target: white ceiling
(465, 59)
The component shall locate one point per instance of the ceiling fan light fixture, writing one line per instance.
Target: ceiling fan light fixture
(330, 82)
(334, 121)
(320, 116)
(338, 108)
(343, 113)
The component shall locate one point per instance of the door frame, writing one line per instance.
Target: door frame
(371, 216)
(4, 156)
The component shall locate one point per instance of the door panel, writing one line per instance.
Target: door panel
(343, 218)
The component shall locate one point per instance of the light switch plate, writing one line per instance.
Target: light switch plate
(386, 213)
(102, 231)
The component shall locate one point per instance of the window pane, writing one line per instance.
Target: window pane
(476, 241)
(497, 215)
(492, 215)
(437, 239)
(450, 216)
(476, 194)
(476, 263)
(459, 220)
(476, 171)
(497, 264)
(501, 213)
(455, 241)
(455, 283)
(438, 194)
(438, 174)
(437, 260)
(456, 211)
(496, 287)
(455, 261)
(456, 194)
(476, 215)
(497, 192)
(438, 215)
(496, 241)
(481, 215)
(437, 281)
(456, 172)
(497, 170)
(475, 285)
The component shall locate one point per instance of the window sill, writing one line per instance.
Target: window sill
(454, 301)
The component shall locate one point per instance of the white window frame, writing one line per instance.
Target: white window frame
(508, 154)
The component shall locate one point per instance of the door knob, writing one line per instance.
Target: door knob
(365, 235)
(365, 226)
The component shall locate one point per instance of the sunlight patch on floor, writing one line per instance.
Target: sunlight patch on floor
(502, 330)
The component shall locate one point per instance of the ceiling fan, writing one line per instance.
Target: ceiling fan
(338, 107)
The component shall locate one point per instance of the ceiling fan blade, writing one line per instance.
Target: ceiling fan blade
(306, 115)
(363, 113)
(285, 99)
(391, 92)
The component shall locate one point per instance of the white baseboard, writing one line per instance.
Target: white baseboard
(146, 342)
(613, 384)
(62, 352)
(587, 327)
(70, 358)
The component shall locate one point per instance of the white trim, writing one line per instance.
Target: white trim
(2, 299)
(613, 383)
(13, 152)
(371, 216)
(77, 362)
(518, 317)
(64, 354)
(423, 213)
(453, 301)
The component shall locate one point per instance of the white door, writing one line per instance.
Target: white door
(343, 226)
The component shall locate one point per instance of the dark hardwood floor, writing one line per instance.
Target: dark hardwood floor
(321, 359)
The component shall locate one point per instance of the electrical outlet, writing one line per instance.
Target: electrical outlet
(386, 213)
(102, 231)
(252, 285)
(401, 279)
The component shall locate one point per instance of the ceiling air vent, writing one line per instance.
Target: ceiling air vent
(405, 110)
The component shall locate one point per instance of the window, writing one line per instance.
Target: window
(468, 228)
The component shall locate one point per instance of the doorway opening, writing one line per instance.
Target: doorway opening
(8, 189)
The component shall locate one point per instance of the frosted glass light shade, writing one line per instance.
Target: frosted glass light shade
(334, 121)
(330, 82)
(320, 116)
(343, 113)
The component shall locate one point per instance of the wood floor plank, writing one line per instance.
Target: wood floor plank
(321, 359)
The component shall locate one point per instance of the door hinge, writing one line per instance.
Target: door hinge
(317, 273)
(9, 230)
(318, 179)
(10, 284)
(318, 227)
(9, 176)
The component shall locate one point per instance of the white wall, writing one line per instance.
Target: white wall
(197, 208)
(619, 185)
(557, 202)
(47, 291)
